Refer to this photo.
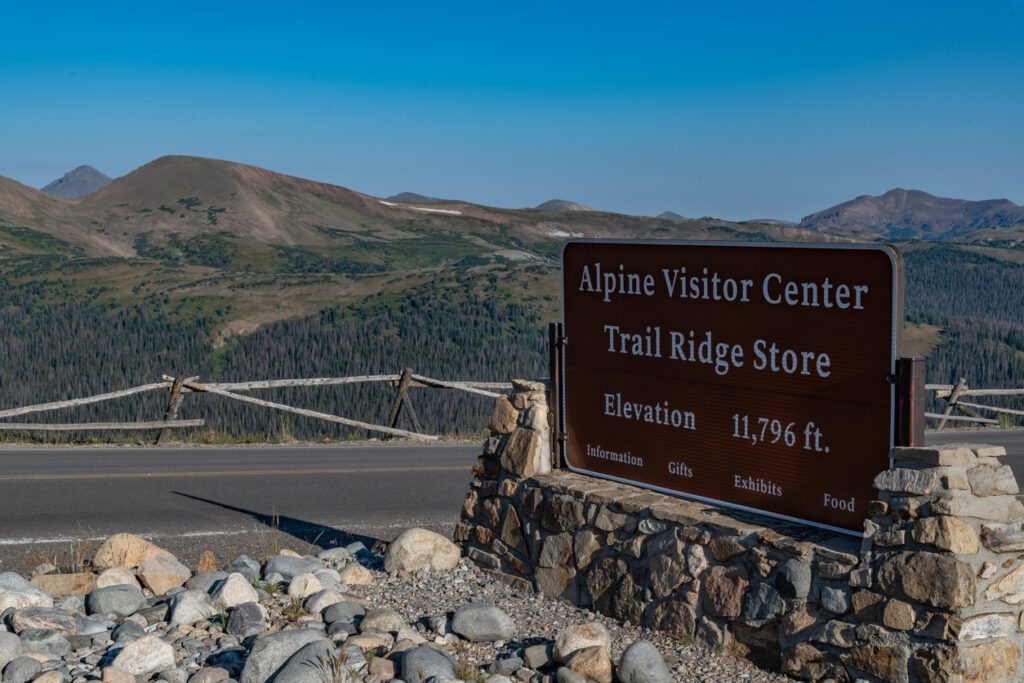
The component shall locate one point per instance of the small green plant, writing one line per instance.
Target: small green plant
(686, 641)
(293, 611)
(272, 588)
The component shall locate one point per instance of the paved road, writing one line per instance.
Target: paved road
(226, 499)
(1011, 439)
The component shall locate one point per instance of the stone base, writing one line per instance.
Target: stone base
(907, 603)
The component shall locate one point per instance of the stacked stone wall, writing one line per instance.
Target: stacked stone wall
(933, 592)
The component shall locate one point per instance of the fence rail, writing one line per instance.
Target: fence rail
(178, 387)
(971, 411)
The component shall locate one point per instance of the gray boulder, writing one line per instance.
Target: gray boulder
(247, 619)
(269, 654)
(381, 621)
(311, 664)
(343, 611)
(205, 581)
(421, 663)
(10, 648)
(289, 567)
(482, 623)
(12, 581)
(45, 641)
(247, 567)
(793, 579)
(127, 632)
(190, 607)
(642, 663)
(72, 604)
(42, 617)
(21, 670)
(121, 600)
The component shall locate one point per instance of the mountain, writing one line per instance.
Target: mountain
(560, 205)
(77, 183)
(670, 216)
(911, 214)
(772, 221)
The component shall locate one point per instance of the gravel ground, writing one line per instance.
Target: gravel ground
(539, 619)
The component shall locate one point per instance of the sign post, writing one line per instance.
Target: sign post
(758, 376)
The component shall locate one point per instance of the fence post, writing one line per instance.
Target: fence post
(173, 403)
(402, 400)
(556, 347)
(951, 402)
(910, 394)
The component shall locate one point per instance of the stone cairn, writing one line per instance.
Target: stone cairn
(933, 592)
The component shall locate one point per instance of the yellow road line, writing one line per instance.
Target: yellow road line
(225, 473)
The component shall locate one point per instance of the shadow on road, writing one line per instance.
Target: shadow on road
(307, 532)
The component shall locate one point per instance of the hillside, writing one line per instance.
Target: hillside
(77, 183)
(911, 214)
(225, 270)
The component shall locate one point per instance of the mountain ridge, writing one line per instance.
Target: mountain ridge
(915, 214)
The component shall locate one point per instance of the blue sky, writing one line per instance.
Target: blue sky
(737, 110)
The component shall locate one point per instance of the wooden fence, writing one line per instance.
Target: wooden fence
(179, 387)
(970, 411)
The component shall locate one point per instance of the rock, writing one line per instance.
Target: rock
(988, 626)
(145, 656)
(556, 551)
(947, 533)
(794, 579)
(310, 664)
(762, 603)
(271, 652)
(10, 648)
(642, 663)
(18, 598)
(247, 567)
(383, 668)
(580, 636)
(381, 621)
(723, 592)
(419, 664)
(121, 600)
(124, 550)
(41, 617)
(696, 560)
(938, 580)
(417, 549)
(567, 675)
(111, 674)
(206, 581)
(207, 562)
(60, 585)
(321, 600)
(233, 590)
(160, 573)
(117, 576)
(902, 480)
(210, 674)
(992, 481)
(537, 657)
(21, 670)
(898, 615)
(994, 661)
(888, 662)
(504, 418)
(334, 555)
(371, 640)
(355, 575)
(343, 611)
(12, 581)
(482, 623)
(44, 641)
(303, 585)
(191, 607)
(1003, 538)
(52, 676)
(127, 632)
(290, 567)
(175, 675)
(835, 600)
(592, 662)
(247, 619)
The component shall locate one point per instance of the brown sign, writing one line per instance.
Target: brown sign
(753, 375)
